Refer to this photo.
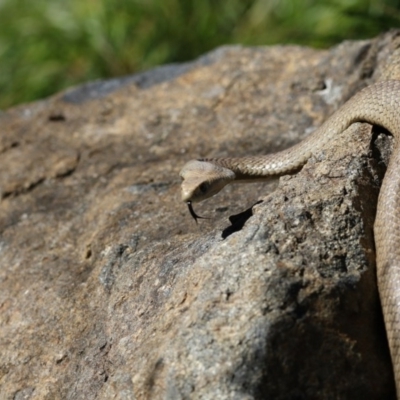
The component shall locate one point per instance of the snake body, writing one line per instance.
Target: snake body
(378, 104)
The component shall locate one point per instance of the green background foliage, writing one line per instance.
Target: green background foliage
(48, 45)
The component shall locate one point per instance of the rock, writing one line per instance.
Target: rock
(108, 289)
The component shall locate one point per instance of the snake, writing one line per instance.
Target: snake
(377, 104)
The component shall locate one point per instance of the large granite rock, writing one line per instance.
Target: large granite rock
(109, 290)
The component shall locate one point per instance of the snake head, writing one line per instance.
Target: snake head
(203, 179)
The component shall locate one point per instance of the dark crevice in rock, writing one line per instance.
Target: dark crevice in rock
(11, 145)
(24, 190)
(69, 171)
(57, 117)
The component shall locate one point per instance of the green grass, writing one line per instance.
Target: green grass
(48, 45)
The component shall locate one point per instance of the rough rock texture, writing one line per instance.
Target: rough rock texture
(109, 290)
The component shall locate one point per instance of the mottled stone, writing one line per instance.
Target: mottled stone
(108, 289)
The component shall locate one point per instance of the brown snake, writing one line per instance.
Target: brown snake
(378, 104)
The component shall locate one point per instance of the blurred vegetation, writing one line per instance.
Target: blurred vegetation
(48, 45)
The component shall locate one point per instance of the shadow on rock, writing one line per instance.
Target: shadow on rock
(238, 221)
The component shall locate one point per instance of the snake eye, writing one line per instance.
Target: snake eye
(204, 187)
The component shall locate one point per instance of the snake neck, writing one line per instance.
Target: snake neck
(377, 104)
(256, 168)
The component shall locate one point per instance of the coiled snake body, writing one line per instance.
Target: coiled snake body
(378, 104)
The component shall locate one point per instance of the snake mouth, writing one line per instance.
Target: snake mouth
(192, 212)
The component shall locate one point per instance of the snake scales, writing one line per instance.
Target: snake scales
(378, 104)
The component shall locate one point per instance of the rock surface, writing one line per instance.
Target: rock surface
(108, 289)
